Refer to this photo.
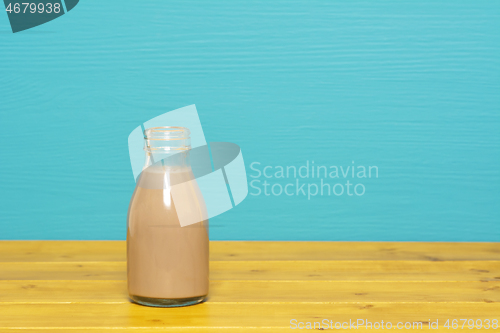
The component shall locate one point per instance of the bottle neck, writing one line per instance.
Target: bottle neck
(167, 147)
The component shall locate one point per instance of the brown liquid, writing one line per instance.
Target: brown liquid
(165, 260)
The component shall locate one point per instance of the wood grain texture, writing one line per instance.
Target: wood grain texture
(229, 315)
(408, 86)
(75, 291)
(66, 251)
(255, 286)
(199, 329)
(272, 270)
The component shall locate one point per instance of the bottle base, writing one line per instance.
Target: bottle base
(167, 302)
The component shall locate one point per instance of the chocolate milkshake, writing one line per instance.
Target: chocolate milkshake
(167, 265)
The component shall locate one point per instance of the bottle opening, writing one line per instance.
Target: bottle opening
(166, 138)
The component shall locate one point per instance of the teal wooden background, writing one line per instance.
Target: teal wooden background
(409, 86)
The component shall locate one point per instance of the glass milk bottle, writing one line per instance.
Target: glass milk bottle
(167, 264)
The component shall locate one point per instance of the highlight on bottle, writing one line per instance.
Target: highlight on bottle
(167, 138)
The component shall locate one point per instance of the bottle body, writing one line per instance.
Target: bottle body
(167, 264)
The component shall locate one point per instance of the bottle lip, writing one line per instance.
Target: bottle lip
(166, 138)
(166, 133)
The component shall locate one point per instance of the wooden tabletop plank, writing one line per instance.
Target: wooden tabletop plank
(232, 314)
(55, 251)
(204, 330)
(438, 251)
(253, 329)
(261, 291)
(272, 270)
(45, 251)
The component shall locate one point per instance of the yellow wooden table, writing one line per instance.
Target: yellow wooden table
(76, 286)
